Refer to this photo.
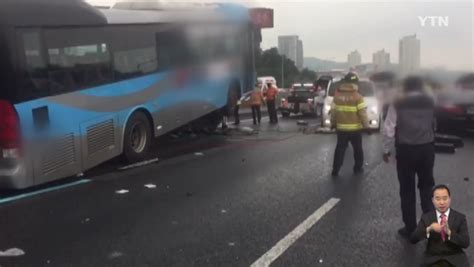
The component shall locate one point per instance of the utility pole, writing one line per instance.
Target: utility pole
(282, 71)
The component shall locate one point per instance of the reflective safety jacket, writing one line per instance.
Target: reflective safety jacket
(256, 98)
(271, 93)
(348, 112)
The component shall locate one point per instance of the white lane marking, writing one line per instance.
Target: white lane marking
(122, 191)
(150, 186)
(199, 154)
(294, 235)
(12, 252)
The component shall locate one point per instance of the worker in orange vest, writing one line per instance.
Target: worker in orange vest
(271, 95)
(256, 100)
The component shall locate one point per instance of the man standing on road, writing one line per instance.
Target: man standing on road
(446, 232)
(236, 110)
(410, 125)
(349, 118)
(256, 100)
(271, 96)
(234, 100)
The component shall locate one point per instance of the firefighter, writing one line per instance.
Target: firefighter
(349, 118)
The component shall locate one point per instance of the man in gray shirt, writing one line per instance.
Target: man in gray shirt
(410, 125)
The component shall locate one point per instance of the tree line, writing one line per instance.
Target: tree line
(269, 63)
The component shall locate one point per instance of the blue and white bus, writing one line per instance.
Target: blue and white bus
(79, 85)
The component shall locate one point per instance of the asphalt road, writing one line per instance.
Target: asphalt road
(229, 206)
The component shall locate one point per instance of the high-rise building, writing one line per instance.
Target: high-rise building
(299, 55)
(381, 60)
(354, 58)
(292, 48)
(409, 54)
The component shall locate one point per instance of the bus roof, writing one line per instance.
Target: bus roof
(228, 10)
(119, 16)
(24, 13)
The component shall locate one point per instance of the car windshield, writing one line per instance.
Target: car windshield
(301, 87)
(322, 83)
(365, 88)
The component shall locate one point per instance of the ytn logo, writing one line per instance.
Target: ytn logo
(436, 21)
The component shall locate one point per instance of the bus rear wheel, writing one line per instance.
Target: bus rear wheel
(137, 138)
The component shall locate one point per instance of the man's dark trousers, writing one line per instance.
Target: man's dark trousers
(236, 114)
(343, 139)
(256, 114)
(272, 111)
(415, 160)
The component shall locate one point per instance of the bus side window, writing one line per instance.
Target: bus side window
(77, 67)
(33, 81)
(135, 55)
(166, 52)
(173, 51)
(78, 58)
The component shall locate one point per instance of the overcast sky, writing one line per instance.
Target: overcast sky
(332, 29)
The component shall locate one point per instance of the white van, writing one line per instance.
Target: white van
(267, 79)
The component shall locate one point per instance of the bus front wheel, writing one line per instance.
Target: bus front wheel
(137, 138)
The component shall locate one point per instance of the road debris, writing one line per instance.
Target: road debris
(324, 130)
(115, 254)
(246, 130)
(445, 148)
(138, 164)
(302, 123)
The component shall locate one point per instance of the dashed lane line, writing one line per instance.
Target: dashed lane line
(294, 235)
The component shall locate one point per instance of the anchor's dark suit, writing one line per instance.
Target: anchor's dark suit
(450, 250)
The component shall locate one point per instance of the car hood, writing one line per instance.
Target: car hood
(456, 97)
(371, 101)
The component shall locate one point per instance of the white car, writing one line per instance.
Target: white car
(267, 79)
(367, 90)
